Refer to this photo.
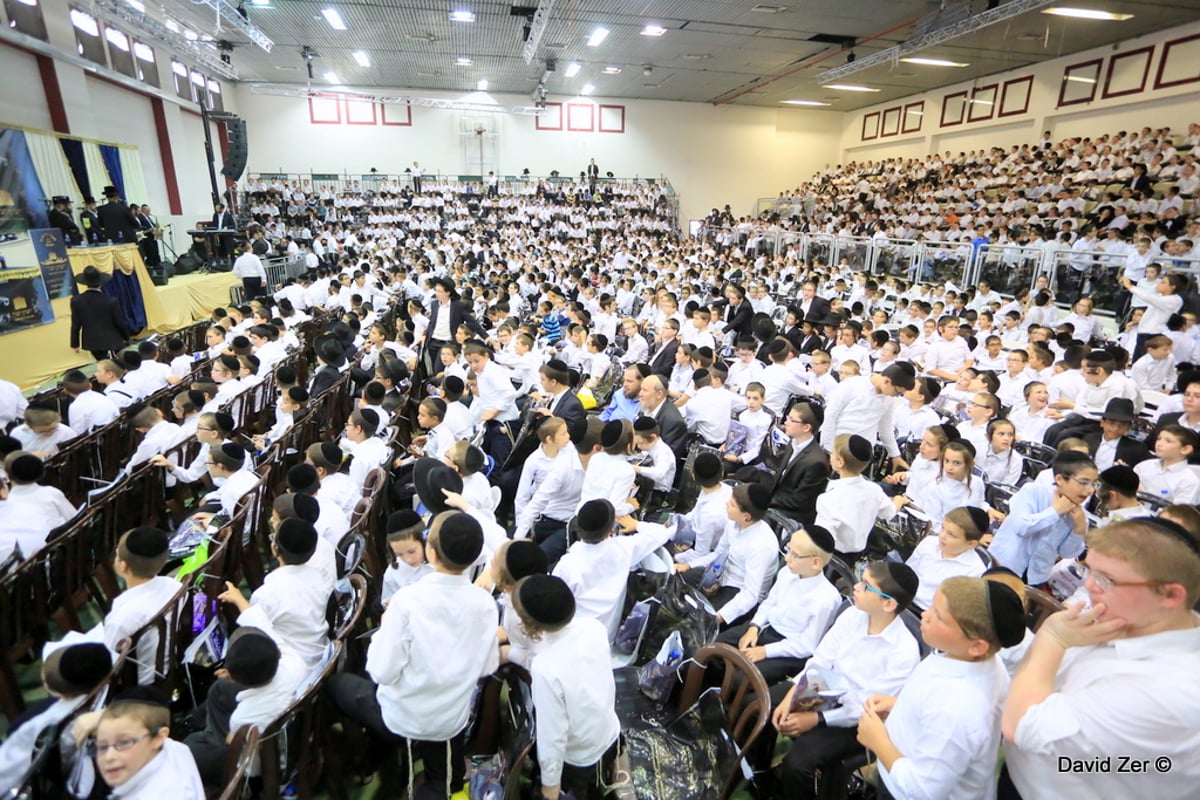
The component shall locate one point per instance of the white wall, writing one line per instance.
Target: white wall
(21, 100)
(711, 155)
(1175, 106)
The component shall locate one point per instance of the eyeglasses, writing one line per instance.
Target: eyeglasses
(792, 554)
(205, 429)
(1107, 584)
(1084, 484)
(793, 419)
(863, 583)
(94, 748)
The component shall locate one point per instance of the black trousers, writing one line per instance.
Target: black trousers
(718, 598)
(100, 355)
(252, 287)
(774, 670)
(551, 536)
(820, 748)
(354, 697)
(587, 783)
(208, 746)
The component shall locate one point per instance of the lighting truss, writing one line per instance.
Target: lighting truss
(287, 90)
(229, 15)
(204, 54)
(933, 38)
(537, 27)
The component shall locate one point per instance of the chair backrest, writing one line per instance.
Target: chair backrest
(841, 575)
(348, 608)
(1039, 605)
(349, 553)
(744, 696)
(242, 750)
(156, 644)
(290, 740)
(912, 621)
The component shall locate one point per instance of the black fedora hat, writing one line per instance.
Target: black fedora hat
(92, 277)
(430, 477)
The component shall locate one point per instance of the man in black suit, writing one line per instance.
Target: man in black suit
(116, 220)
(654, 403)
(222, 220)
(97, 324)
(446, 313)
(90, 221)
(1111, 445)
(805, 474)
(331, 355)
(740, 314)
(556, 392)
(812, 305)
(60, 217)
(662, 357)
(593, 174)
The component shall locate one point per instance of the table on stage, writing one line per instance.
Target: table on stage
(205, 243)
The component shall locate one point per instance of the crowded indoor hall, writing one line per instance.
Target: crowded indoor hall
(674, 416)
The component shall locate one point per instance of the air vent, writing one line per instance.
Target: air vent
(555, 46)
(765, 9)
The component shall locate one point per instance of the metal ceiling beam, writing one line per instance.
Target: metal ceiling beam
(287, 90)
(537, 28)
(234, 19)
(203, 54)
(933, 38)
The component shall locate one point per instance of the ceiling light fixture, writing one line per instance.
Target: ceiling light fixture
(653, 30)
(587, 89)
(361, 58)
(933, 62)
(612, 70)
(463, 61)
(573, 69)
(804, 102)
(331, 77)
(1087, 13)
(462, 16)
(1080, 79)
(849, 87)
(482, 85)
(334, 19)
(598, 36)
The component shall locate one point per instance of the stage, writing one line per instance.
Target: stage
(35, 356)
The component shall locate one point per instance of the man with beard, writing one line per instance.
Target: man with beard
(624, 404)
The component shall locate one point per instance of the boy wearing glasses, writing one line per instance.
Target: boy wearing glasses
(1117, 679)
(1047, 522)
(785, 629)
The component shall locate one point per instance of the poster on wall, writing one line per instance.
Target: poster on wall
(23, 300)
(22, 202)
(51, 253)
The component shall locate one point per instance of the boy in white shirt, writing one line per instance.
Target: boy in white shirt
(711, 409)
(951, 552)
(1156, 369)
(850, 505)
(410, 694)
(574, 693)
(43, 432)
(785, 629)
(948, 355)
(661, 468)
(1170, 476)
(89, 409)
(707, 520)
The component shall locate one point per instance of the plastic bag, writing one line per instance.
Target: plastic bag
(485, 779)
(680, 608)
(816, 690)
(710, 581)
(630, 634)
(658, 679)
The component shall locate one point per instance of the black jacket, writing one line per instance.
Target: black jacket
(799, 484)
(460, 314)
(672, 428)
(66, 223)
(1129, 450)
(97, 322)
(325, 377)
(739, 319)
(118, 223)
(569, 407)
(664, 360)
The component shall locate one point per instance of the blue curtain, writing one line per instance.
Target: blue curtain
(73, 150)
(128, 293)
(20, 181)
(112, 162)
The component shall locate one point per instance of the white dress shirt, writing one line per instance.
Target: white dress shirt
(799, 610)
(911, 425)
(865, 663)
(848, 509)
(598, 573)
(946, 722)
(131, 610)
(172, 773)
(1134, 697)
(855, 407)
(12, 403)
(710, 411)
(549, 488)
(933, 568)
(574, 696)
(47, 443)
(235, 487)
(48, 504)
(1179, 483)
(440, 616)
(292, 601)
(340, 489)
(90, 410)
(948, 356)
(17, 751)
(780, 382)
(749, 558)
(158, 439)
(1002, 467)
(610, 478)
(707, 521)
(262, 705)
(1030, 427)
(368, 454)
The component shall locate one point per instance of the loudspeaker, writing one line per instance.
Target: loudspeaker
(188, 263)
(235, 161)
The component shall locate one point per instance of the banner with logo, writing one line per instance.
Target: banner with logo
(23, 300)
(52, 257)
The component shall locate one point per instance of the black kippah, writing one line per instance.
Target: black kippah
(147, 542)
(1007, 613)
(402, 520)
(524, 558)
(860, 448)
(27, 468)
(460, 538)
(546, 599)
(979, 518)
(707, 466)
(822, 538)
(611, 433)
(643, 424)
